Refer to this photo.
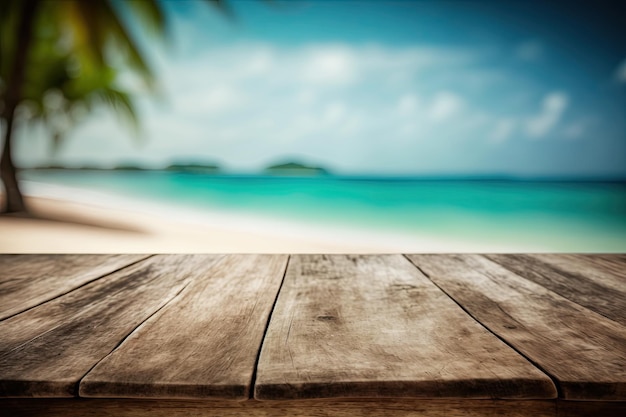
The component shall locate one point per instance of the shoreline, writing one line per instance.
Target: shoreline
(60, 226)
(74, 220)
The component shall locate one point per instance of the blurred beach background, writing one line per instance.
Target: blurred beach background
(321, 126)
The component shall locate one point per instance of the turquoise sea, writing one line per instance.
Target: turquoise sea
(535, 215)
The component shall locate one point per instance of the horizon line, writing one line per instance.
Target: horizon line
(358, 176)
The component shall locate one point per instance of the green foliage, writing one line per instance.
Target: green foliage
(197, 168)
(77, 52)
(60, 58)
(295, 168)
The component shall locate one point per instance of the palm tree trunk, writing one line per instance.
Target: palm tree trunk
(13, 195)
(14, 202)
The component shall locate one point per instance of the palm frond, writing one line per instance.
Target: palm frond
(126, 42)
(85, 23)
(150, 14)
(97, 25)
(121, 103)
(223, 7)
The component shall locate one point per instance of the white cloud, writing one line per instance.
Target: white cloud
(353, 108)
(553, 106)
(211, 102)
(578, 128)
(334, 65)
(407, 104)
(503, 129)
(444, 105)
(306, 97)
(334, 112)
(260, 63)
(530, 50)
(574, 131)
(620, 72)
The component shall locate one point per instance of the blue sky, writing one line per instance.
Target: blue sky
(530, 89)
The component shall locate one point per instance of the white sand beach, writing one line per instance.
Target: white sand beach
(76, 222)
(58, 226)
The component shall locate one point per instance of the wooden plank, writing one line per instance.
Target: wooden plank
(572, 278)
(29, 280)
(204, 344)
(591, 408)
(45, 351)
(584, 351)
(388, 407)
(608, 270)
(374, 326)
(612, 257)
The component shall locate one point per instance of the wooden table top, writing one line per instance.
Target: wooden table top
(523, 335)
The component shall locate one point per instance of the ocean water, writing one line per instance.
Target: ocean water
(533, 215)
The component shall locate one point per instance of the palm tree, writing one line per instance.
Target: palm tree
(68, 87)
(65, 105)
(17, 19)
(84, 33)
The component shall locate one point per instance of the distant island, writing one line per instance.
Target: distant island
(195, 168)
(287, 168)
(295, 168)
(198, 168)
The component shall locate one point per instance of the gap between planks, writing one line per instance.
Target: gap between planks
(580, 348)
(574, 277)
(141, 257)
(554, 380)
(66, 336)
(224, 313)
(355, 333)
(166, 302)
(270, 317)
(267, 326)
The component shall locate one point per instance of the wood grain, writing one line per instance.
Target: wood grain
(374, 326)
(591, 409)
(609, 269)
(29, 280)
(584, 351)
(45, 351)
(575, 278)
(388, 407)
(606, 270)
(204, 344)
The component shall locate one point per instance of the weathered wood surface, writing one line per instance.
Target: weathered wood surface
(584, 351)
(202, 345)
(29, 280)
(607, 270)
(388, 407)
(576, 278)
(590, 408)
(374, 326)
(46, 350)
